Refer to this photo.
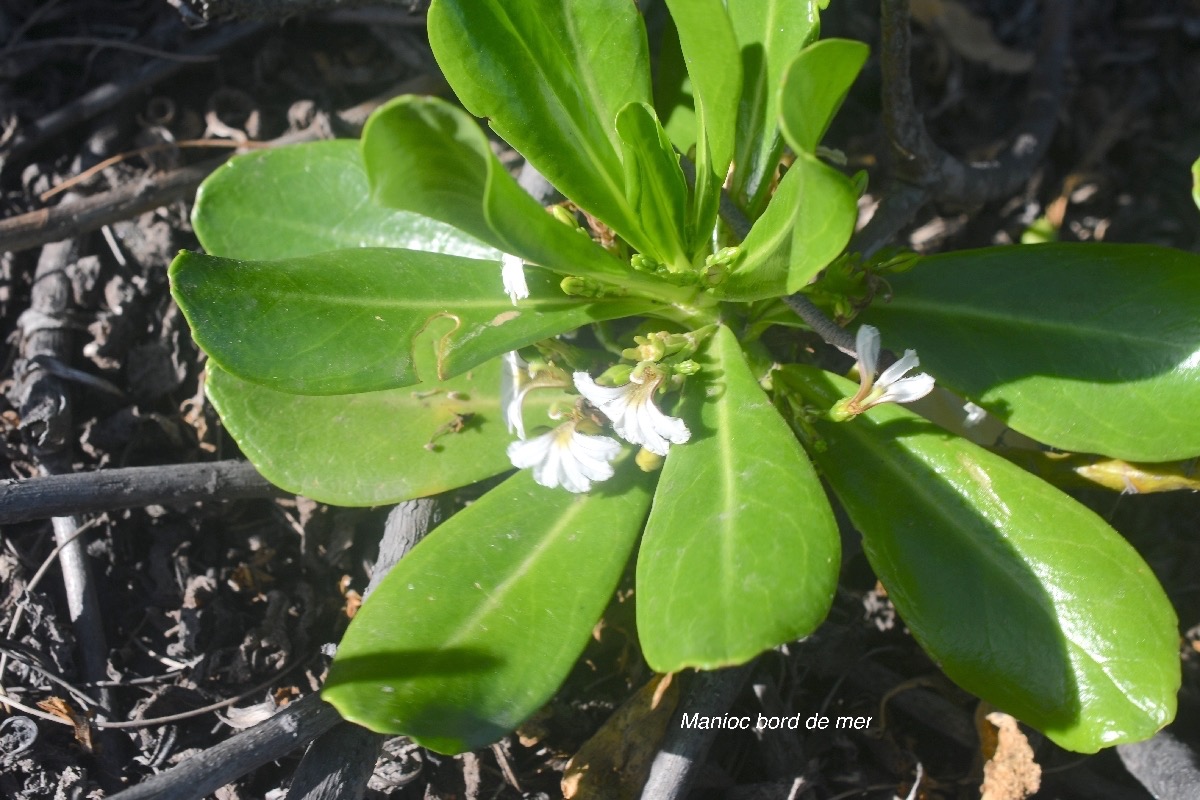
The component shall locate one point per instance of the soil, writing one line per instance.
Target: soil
(234, 599)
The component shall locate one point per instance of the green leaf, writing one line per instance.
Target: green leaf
(807, 224)
(710, 51)
(424, 155)
(673, 98)
(347, 321)
(308, 198)
(550, 77)
(476, 628)
(654, 184)
(741, 552)
(1022, 595)
(1086, 347)
(770, 33)
(377, 447)
(814, 86)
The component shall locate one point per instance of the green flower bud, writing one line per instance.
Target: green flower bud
(616, 375)
(646, 264)
(583, 286)
(577, 286)
(649, 348)
(563, 215)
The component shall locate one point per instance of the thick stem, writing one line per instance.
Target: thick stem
(709, 695)
(921, 162)
(129, 487)
(301, 722)
(339, 763)
(923, 170)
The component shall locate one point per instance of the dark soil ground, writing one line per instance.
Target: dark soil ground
(233, 599)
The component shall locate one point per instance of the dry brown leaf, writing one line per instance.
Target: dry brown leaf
(615, 762)
(969, 36)
(248, 716)
(1010, 772)
(82, 725)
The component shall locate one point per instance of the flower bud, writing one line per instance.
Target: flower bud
(647, 461)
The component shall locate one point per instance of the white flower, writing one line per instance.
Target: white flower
(631, 408)
(517, 379)
(512, 272)
(514, 385)
(892, 386)
(565, 457)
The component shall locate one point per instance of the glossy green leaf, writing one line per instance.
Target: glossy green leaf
(654, 185)
(807, 224)
(710, 51)
(1086, 347)
(814, 86)
(347, 321)
(741, 552)
(550, 77)
(376, 447)
(1022, 595)
(426, 156)
(769, 33)
(308, 198)
(475, 629)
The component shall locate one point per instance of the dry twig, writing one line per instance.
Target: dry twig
(131, 487)
(45, 408)
(302, 721)
(104, 97)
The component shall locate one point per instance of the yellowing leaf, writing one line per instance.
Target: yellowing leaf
(615, 762)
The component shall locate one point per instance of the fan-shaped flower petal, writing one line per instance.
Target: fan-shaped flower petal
(565, 457)
(634, 416)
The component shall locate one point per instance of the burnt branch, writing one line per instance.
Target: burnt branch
(91, 213)
(338, 765)
(203, 774)
(922, 162)
(131, 487)
(683, 749)
(108, 95)
(924, 170)
(45, 409)
(83, 215)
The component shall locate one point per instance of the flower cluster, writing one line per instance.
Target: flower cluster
(574, 455)
(573, 458)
